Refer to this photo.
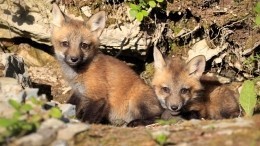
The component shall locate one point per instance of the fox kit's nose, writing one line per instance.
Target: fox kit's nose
(175, 107)
(74, 59)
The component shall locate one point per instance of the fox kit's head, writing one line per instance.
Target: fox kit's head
(176, 82)
(76, 41)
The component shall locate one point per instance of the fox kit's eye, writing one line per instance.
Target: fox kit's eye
(166, 90)
(84, 45)
(65, 44)
(184, 90)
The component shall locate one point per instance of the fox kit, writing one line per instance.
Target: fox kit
(181, 90)
(105, 89)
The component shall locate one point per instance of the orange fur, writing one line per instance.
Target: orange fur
(183, 90)
(104, 87)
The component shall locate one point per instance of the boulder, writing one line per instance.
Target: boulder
(32, 19)
(29, 19)
(14, 67)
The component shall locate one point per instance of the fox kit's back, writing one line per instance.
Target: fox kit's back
(105, 89)
(180, 89)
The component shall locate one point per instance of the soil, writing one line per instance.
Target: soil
(237, 132)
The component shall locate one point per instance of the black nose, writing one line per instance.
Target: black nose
(74, 59)
(175, 107)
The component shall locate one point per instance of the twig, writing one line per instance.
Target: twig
(190, 32)
(248, 51)
(226, 26)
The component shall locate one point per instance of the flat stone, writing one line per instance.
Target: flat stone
(52, 123)
(48, 134)
(33, 139)
(31, 92)
(8, 81)
(202, 48)
(6, 110)
(238, 122)
(71, 130)
(14, 67)
(113, 37)
(60, 143)
(68, 110)
(10, 89)
(86, 10)
(34, 23)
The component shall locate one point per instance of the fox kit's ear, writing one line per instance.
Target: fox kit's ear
(196, 66)
(58, 17)
(97, 22)
(159, 62)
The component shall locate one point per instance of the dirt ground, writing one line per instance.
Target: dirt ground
(237, 132)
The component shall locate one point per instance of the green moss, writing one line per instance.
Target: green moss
(176, 50)
(148, 73)
(13, 48)
(110, 21)
(74, 10)
(250, 42)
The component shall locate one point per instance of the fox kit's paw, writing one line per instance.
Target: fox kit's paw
(87, 110)
(92, 111)
(166, 115)
(141, 122)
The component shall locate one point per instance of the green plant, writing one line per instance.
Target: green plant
(161, 139)
(25, 119)
(250, 62)
(257, 10)
(248, 97)
(168, 122)
(141, 8)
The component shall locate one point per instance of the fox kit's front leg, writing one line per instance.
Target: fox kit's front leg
(87, 109)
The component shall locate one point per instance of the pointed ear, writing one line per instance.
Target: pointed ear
(159, 62)
(58, 17)
(97, 22)
(196, 66)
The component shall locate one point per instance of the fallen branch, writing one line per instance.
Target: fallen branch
(250, 50)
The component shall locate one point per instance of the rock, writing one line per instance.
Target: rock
(68, 110)
(33, 56)
(48, 135)
(31, 19)
(15, 68)
(52, 123)
(238, 122)
(129, 34)
(10, 89)
(31, 92)
(49, 105)
(71, 130)
(86, 10)
(60, 143)
(2, 69)
(202, 48)
(34, 139)
(6, 110)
